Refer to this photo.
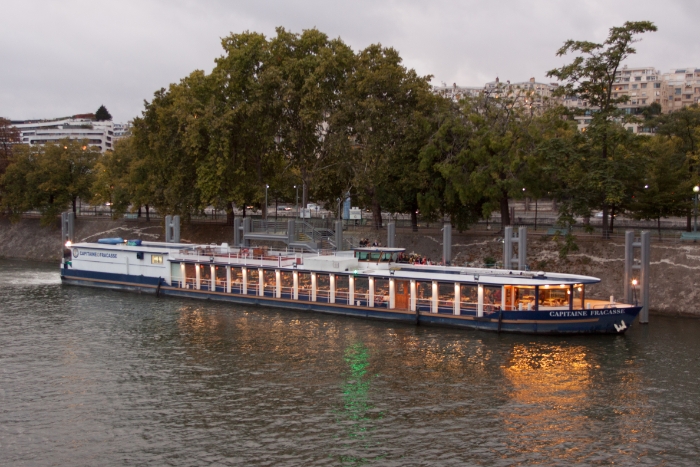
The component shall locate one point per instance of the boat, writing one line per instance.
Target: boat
(368, 282)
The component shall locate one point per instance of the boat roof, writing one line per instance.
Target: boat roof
(380, 248)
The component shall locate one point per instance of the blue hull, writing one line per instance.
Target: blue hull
(602, 321)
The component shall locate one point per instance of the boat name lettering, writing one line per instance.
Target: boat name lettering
(609, 311)
(559, 314)
(98, 254)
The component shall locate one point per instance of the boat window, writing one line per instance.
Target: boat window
(468, 296)
(270, 280)
(520, 297)
(362, 255)
(287, 283)
(424, 294)
(156, 259)
(204, 272)
(492, 298)
(554, 296)
(446, 295)
(374, 256)
(253, 279)
(342, 288)
(381, 292)
(190, 274)
(304, 286)
(236, 280)
(362, 290)
(579, 296)
(323, 282)
(220, 272)
(386, 257)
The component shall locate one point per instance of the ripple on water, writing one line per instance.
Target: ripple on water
(94, 377)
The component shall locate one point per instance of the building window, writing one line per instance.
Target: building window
(657, 85)
(156, 259)
(678, 91)
(637, 78)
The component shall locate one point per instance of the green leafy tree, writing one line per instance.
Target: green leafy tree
(50, 177)
(481, 153)
(9, 137)
(102, 114)
(386, 117)
(591, 76)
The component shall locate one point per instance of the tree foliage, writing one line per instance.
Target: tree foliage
(102, 114)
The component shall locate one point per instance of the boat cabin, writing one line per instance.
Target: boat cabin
(378, 254)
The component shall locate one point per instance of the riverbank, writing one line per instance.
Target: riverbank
(675, 266)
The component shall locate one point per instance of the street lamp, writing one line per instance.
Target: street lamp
(266, 187)
(696, 190)
(296, 187)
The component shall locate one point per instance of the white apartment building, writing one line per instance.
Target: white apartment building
(98, 134)
(530, 93)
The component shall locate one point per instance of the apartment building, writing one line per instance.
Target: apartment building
(530, 93)
(680, 88)
(98, 134)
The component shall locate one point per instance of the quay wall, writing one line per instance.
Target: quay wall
(675, 266)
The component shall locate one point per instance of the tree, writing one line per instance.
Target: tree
(591, 76)
(385, 115)
(481, 153)
(102, 114)
(49, 177)
(9, 136)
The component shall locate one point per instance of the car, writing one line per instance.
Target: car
(284, 208)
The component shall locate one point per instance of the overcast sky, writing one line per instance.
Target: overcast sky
(67, 57)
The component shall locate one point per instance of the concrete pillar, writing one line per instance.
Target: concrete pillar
(183, 284)
(244, 272)
(339, 236)
(447, 243)
(237, 237)
(351, 290)
(168, 229)
(434, 298)
(247, 228)
(508, 248)
(198, 276)
(291, 231)
(176, 229)
(228, 279)
(67, 227)
(278, 284)
(391, 235)
(644, 276)
(212, 274)
(371, 292)
(629, 266)
(522, 248)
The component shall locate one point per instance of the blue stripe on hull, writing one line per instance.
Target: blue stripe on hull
(528, 322)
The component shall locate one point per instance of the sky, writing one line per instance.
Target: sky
(69, 57)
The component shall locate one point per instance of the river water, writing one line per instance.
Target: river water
(96, 377)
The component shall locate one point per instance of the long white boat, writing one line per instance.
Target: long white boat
(364, 282)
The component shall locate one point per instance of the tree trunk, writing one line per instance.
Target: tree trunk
(148, 213)
(139, 214)
(376, 213)
(229, 213)
(244, 206)
(612, 218)
(606, 225)
(75, 211)
(658, 226)
(505, 213)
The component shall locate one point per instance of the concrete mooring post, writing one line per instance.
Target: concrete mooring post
(638, 293)
(391, 235)
(521, 240)
(339, 235)
(247, 228)
(237, 229)
(447, 243)
(67, 227)
(172, 229)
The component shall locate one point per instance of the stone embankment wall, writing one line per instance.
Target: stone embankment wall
(675, 266)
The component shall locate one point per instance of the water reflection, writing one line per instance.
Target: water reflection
(355, 416)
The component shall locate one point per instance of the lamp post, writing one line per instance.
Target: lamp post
(696, 190)
(296, 187)
(266, 187)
